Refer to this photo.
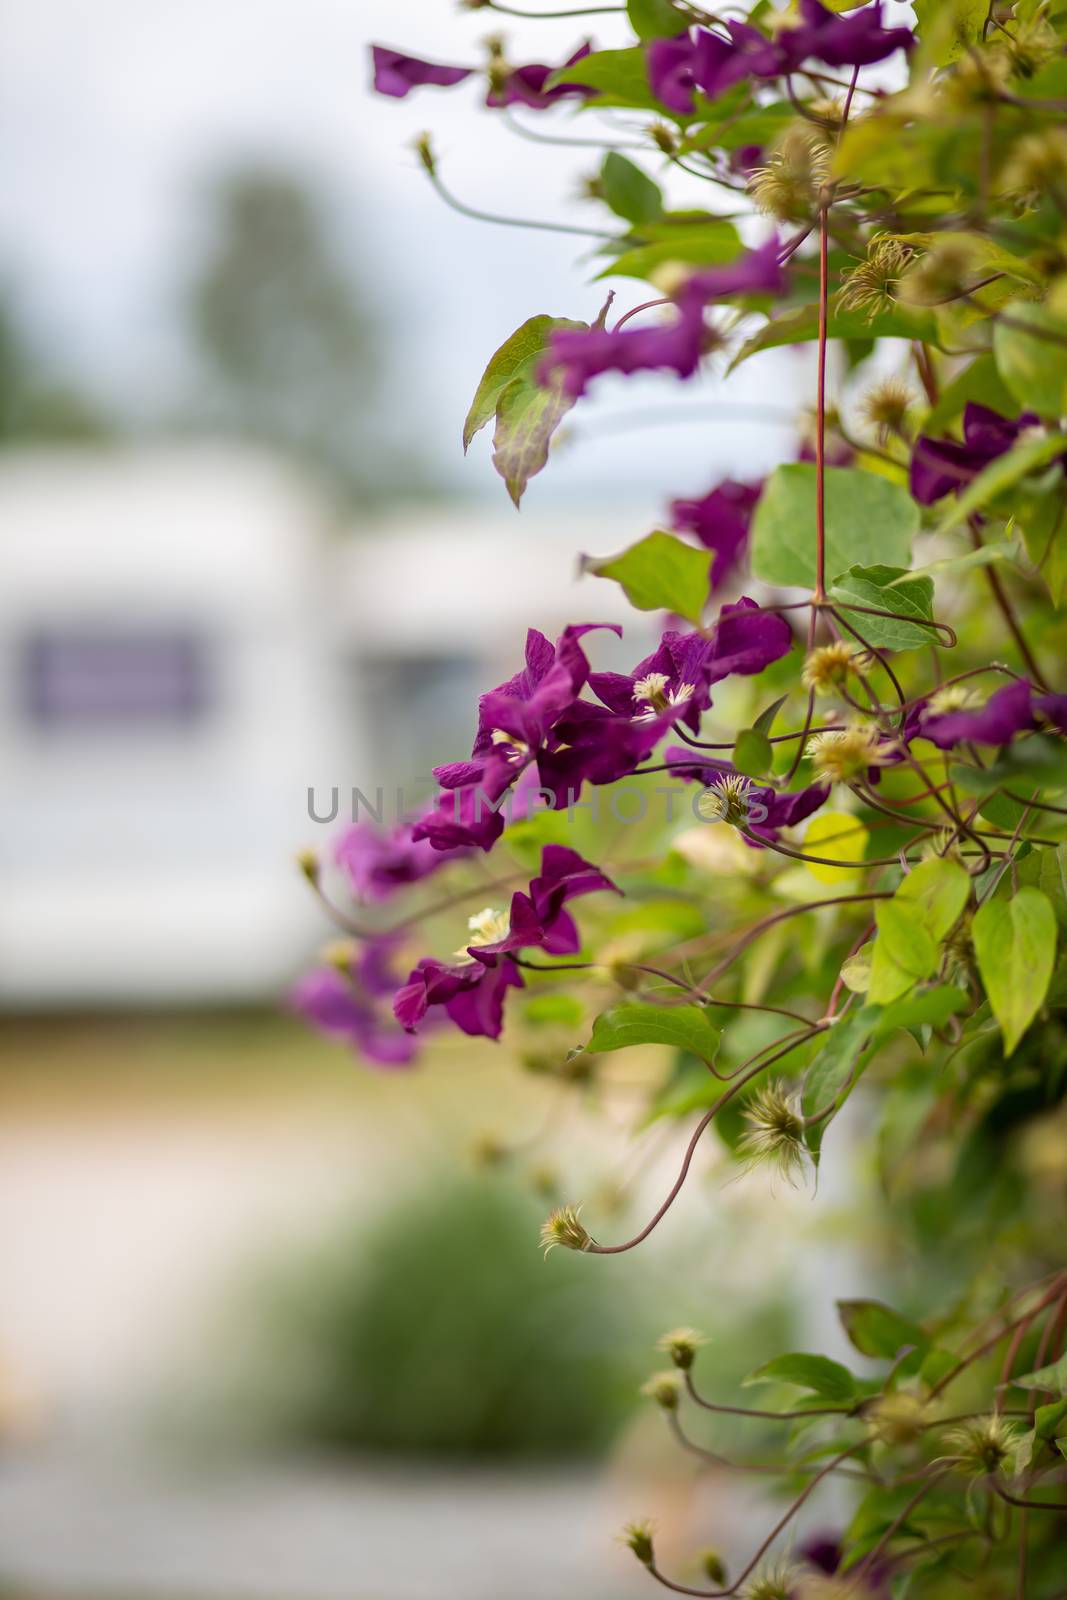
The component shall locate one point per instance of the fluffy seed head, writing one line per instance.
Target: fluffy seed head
(844, 756)
(946, 272)
(487, 1150)
(681, 1344)
(773, 1583)
(1031, 46)
(896, 1419)
(787, 186)
(955, 697)
(885, 407)
(564, 1227)
(873, 284)
(664, 138)
(309, 864)
(982, 1446)
(775, 1132)
(424, 150)
(1036, 163)
(663, 1388)
(828, 666)
(637, 1536)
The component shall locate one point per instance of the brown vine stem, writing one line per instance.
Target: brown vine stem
(820, 428)
(1004, 605)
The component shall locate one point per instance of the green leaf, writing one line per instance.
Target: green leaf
(655, 19)
(948, 27)
(868, 521)
(659, 573)
(924, 909)
(802, 327)
(707, 244)
(832, 1068)
(634, 1022)
(1033, 367)
(627, 190)
(888, 589)
(876, 1330)
(526, 414)
(1048, 1419)
(753, 753)
(765, 721)
(1053, 1378)
(1015, 943)
(818, 1373)
(619, 77)
(930, 1008)
(1003, 474)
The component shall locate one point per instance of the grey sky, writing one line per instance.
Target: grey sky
(113, 113)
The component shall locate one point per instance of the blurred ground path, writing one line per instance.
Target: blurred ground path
(79, 1522)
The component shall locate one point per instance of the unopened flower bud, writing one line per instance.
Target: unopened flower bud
(712, 1566)
(896, 1419)
(310, 866)
(564, 1227)
(637, 1536)
(341, 953)
(487, 1150)
(681, 1344)
(664, 138)
(663, 1388)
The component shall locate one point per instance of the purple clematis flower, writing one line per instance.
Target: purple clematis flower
(938, 466)
(855, 41)
(677, 344)
(720, 521)
(695, 60)
(676, 676)
(1007, 712)
(515, 722)
(343, 1005)
(525, 86)
(746, 639)
(378, 861)
(1053, 707)
(473, 989)
(397, 74)
(768, 811)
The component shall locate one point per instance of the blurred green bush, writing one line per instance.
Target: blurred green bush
(439, 1330)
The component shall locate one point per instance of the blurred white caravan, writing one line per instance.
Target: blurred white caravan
(186, 647)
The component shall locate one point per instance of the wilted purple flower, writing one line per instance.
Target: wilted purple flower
(938, 466)
(342, 1005)
(538, 918)
(472, 994)
(378, 861)
(720, 521)
(677, 344)
(768, 811)
(525, 86)
(468, 813)
(1007, 712)
(755, 272)
(472, 990)
(397, 74)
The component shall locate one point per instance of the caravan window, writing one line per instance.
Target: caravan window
(84, 676)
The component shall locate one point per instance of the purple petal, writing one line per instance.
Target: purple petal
(397, 74)
(1004, 714)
